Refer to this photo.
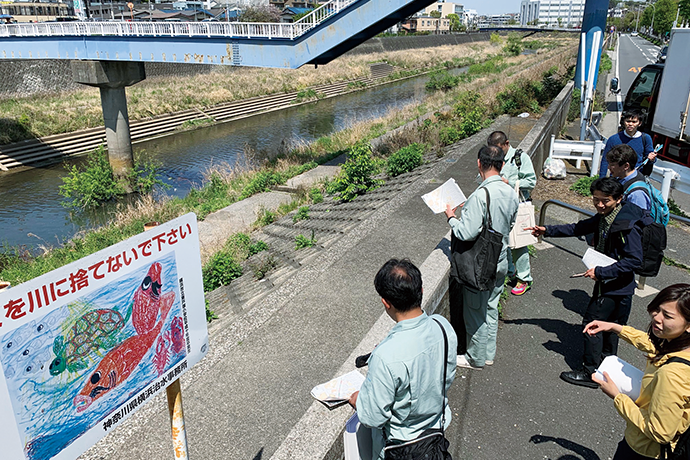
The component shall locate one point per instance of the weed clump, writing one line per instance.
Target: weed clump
(301, 214)
(582, 185)
(406, 159)
(442, 80)
(302, 241)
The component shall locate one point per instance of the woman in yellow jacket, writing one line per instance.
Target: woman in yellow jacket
(662, 411)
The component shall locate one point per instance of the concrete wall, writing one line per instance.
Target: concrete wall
(26, 78)
(22, 78)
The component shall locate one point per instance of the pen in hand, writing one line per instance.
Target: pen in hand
(578, 275)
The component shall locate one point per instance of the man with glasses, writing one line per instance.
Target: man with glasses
(617, 233)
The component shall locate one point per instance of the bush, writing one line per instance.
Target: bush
(518, 97)
(406, 159)
(265, 217)
(574, 110)
(442, 80)
(91, 184)
(495, 39)
(449, 135)
(220, 271)
(582, 185)
(356, 176)
(302, 241)
(513, 46)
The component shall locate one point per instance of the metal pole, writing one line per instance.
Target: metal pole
(174, 394)
(179, 434)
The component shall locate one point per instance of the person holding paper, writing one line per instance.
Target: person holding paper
(617, 233)
(517, 166)
(662, 411)
(473, 313)
(402, 394)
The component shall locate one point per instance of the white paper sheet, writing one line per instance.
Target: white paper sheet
(338, 389)
(448, 193)
(594, 258)
(627, 377)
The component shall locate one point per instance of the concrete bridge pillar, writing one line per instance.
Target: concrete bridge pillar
(111, 77)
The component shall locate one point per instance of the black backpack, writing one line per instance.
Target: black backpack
(682, 451)
(653, 245)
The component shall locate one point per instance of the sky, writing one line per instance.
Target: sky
(491, 6)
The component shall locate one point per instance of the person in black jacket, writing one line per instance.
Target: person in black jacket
(616, 231)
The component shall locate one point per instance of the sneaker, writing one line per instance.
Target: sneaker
(521, 287)
(488, 362)
(463, 362)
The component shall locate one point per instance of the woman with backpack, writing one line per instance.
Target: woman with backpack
(662, 411)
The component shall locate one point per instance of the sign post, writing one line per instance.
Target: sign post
(174, 395)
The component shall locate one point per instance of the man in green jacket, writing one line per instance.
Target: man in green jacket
(517, 167)
(476, 310)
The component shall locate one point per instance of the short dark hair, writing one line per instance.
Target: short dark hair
(679, 293)
(399, 282)
(490, 156)
(497, 138)
(632, 113)
(608, 186)
(622, 154)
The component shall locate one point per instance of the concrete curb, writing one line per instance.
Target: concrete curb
(318, 434)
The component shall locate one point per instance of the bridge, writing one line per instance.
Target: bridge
(324, 34)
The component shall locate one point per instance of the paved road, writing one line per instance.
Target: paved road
(634, 53)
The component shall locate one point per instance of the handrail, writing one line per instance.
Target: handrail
(542, 218)
(547, 203)
(270, 30)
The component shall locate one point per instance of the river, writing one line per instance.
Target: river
(31, 214)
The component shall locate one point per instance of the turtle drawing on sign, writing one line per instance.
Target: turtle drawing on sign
(118, 364)
(95, 330)
(122, 360)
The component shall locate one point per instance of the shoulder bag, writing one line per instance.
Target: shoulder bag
(474, 263)
(519, 237)
(432, 443)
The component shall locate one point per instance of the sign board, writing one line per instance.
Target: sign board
(86, 345)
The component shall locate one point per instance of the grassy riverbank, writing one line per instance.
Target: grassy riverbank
(40, 116)
(461, 109)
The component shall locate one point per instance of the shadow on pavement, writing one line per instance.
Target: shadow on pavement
(582, 452)
(569, 343)
(259, 455)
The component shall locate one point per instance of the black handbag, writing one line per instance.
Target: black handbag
(475, 262)
(432, 443)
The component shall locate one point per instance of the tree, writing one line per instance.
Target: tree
(665, 15)
(260, 13)
(684, 6)
(435, 14)
(455, 24)
(560, 22)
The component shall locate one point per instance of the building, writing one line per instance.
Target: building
(498, 20)
(552, 13)
(37, 11)
(426, 24)
(445, 8)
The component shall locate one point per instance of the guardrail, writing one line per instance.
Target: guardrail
(268, 30)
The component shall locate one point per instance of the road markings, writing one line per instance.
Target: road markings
(634, 69)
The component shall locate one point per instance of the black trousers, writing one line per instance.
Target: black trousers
(625, 452)
(457, 319)
(611, 308)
